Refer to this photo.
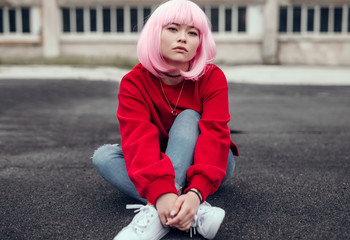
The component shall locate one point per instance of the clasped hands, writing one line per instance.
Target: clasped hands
(177, 211)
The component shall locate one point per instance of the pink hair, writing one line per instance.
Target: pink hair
(181, 12)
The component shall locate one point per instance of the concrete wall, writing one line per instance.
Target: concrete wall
(312, 51)
(260, 44)
(99, 48)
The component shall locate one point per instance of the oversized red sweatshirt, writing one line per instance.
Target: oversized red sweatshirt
(145, 120)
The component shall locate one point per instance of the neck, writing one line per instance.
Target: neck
(174, 77)
(171, 80)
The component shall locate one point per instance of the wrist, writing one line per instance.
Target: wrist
(166, 197)
(197, 192)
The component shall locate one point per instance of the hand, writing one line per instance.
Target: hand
(165, 204)
(185, 209)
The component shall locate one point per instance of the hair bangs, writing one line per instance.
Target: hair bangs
(186, 12)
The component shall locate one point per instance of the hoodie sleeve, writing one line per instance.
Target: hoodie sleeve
(213, 144)
(148, 168)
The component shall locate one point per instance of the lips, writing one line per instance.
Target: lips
(181, 48)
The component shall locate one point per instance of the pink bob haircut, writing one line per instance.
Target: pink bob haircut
(180, 12)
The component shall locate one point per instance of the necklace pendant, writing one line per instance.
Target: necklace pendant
(174, 113)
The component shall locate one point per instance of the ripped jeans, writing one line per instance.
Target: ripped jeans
(109, 160)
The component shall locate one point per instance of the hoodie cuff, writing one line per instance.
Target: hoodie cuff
(159, 187)
(202, 184)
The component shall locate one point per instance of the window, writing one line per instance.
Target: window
(349, 20)
(15, 20)
(126, 19)
(12, 20)
(214, 14)
(120, 20)
(66, 19)
(25, 20)
(146, 14)
(283, 20)
(103, 19)
(79, 15)
(133, 20)
(93, 20)
(297, 19)
(228, 20)
(322, 19)
(106, 19)
(338, 15)
(310, 19)
(241, 19)
(1, 21)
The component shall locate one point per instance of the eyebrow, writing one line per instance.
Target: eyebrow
(180, 25)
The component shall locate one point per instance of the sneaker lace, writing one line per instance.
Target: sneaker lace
(142, 219)
(196, 221)
(193, 230)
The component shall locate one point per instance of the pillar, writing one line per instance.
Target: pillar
(50, 29)
(269, 49)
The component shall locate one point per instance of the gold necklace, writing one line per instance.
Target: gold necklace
(173, 110)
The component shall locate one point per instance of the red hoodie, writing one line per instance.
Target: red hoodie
(145, 120)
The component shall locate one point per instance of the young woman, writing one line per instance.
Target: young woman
(173, 113)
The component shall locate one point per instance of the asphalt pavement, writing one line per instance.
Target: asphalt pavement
(292, 180)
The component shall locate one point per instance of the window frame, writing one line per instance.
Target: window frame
(19, 36)
(134, 17)
(319, 26)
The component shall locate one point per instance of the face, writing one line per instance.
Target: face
(179, 44)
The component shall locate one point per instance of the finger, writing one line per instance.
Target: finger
(184, 228)
(172, 222)
(181, 221)
(163, 220)
(185, 224)
(175, 222)
(177, 206)
(184, 219)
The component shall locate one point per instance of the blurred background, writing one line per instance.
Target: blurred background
(291, 123)
(105, 32)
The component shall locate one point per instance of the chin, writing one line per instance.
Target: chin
(176, 62)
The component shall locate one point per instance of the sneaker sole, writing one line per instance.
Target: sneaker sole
(161, 235)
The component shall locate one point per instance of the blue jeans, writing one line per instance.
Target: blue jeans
(109, 160)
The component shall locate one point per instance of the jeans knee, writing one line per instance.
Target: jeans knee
(191, 114)
(187, 121)
(185, 129)
(104, 154)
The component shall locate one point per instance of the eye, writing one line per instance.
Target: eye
(171, 29)
(193, 33)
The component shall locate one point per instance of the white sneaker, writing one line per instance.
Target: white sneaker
(207, 220)
(146, 225)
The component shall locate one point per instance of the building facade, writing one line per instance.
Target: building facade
(246, 31)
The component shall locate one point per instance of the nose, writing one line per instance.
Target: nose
(182, 37)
